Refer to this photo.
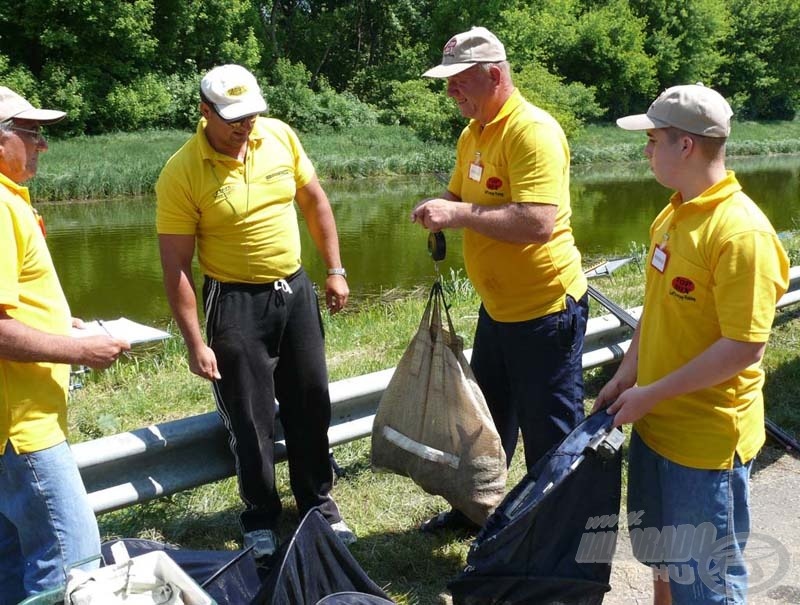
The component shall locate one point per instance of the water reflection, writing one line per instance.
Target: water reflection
(106, 252)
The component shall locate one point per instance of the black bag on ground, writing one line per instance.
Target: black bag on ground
(314, 567)
(552, 538)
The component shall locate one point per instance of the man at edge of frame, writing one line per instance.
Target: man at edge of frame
(47, 525)
(691, 381)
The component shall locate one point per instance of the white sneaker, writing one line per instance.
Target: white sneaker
(344, 533)
(263, 541)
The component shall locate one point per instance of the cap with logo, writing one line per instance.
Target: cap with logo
(233, 91)
(691, 107)
(462, 51)
(14, 106)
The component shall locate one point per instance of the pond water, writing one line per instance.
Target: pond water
(106, 253)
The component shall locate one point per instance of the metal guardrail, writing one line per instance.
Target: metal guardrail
(162, 459)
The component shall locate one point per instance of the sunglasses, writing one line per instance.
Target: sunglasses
(232, 123)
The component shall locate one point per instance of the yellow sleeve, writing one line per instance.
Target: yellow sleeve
(176, 211)
(538, 163)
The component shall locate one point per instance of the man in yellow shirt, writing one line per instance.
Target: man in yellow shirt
(231, 191)
(691, 380)
(46, 522)
(509, 191)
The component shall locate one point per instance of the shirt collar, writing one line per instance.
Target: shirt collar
(15, 188)
(717, 193)
(511, 104)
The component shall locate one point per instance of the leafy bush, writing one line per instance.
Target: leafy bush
(291, 99)
(144, 103)
(184, 92)
(432, 115)
(19, 79)
(571, 104)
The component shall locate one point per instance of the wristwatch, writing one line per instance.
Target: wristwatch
(338, 271)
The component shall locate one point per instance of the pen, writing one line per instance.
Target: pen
(102, 325)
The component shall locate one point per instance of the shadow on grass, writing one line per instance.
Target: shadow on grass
(411, 566)
(174, 520)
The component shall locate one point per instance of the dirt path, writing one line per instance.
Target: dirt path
(773, 550)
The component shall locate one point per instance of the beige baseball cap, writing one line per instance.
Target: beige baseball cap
(13, 105)
(691, 107)
(464, 50)
(233, 91)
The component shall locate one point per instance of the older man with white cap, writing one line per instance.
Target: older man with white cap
(230, 190)
(46, 522)
(509, 192)
(691, 379)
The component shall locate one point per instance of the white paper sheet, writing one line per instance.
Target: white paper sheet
(122, 328)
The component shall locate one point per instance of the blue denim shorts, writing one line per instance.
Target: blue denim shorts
(690, 525)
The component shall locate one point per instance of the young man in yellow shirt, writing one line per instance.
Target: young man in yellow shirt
(691, 381)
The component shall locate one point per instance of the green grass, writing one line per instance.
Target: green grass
(104, 166)
(125, 164)
(384, 509)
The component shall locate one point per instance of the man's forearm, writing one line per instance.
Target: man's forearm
(718, 363)
(19, 342)
(514, 222)
(183, 303)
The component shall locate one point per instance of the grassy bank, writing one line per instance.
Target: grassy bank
(129, 163)
(385, 510)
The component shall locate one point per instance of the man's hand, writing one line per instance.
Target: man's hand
(99, 352)
(203, 362)
(336, 293)
(436, 214)
(631, 405)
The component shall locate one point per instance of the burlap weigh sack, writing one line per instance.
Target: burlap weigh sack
(433, 424)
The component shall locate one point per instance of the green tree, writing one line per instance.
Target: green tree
(599, 46)
(571, 104)
(197, 35)
(87, 46)
(338, 39)
(762, 74)
(685, 38)
(608, 53)
(96, 39)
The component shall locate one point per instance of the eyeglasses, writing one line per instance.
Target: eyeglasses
(33, 133)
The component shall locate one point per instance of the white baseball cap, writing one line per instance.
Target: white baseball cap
(13, 105)
(462, 51)
(233, 91)
(690, 107)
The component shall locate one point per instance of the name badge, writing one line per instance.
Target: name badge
(475, 172)
(660, 258)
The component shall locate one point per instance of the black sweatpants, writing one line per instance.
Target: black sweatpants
(269, 345)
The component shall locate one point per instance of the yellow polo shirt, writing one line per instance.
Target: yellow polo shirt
(241, 213)
(33, 396)
(725, 272)
(524, 157)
